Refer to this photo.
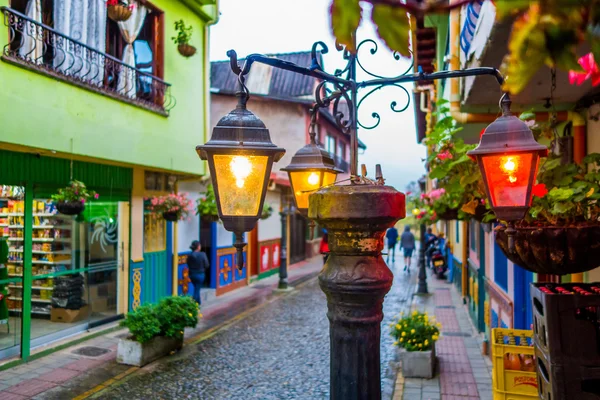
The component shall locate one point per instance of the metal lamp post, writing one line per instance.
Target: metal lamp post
(355, 278)
(508, 157)
(422, 288)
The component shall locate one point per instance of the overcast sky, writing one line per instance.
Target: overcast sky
(283, 26)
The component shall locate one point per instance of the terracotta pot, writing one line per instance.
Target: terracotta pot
(70, 208)
(449, 215)
(186, 50)
(553, 250)
(119, 13)
(170, 216)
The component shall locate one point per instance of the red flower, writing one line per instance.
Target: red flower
(444, 155)
(539, 190)
(590, 67)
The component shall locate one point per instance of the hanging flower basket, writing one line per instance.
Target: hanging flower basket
(170, 216)
(119, 12)
(186, 50)
(267, 211)
(209, 218)
(70, 207)
(552, 249)
(449, 215)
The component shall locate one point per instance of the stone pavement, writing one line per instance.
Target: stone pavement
(75, 371)
(463, 373)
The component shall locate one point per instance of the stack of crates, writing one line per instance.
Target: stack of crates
(514, 376)
(567, 339)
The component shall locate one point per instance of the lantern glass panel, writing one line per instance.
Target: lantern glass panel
(304, 183)
(240, 183)
(508, 178)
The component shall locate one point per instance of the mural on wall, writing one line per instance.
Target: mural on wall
(229, 277)
(105, 231)
(269, 255)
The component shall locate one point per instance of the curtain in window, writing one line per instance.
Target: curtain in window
(33, 44)
(130, 30)
(85, 22)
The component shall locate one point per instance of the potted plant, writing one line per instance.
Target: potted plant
(119, 10)
(173, 207)
(182, 40)
(561, 232)
(71, 200)
(156, 330)
(453, 171)
(267, 211)
(206, 206)
(416, 336)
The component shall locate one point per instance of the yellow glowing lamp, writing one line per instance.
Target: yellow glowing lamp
(508, 157)
(240, 155)
(311, 168)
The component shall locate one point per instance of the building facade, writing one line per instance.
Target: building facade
(495, 290)
(113, 105)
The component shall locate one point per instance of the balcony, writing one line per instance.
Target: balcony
(342, 164)
(40, 48)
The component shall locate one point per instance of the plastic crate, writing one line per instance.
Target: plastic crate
(566, 322)
(557, 382)
(513, 357)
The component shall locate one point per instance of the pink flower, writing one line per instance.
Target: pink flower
(96, 196)
(590, 68)
(83, 201)
(444, 155)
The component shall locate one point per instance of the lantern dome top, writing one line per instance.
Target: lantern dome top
(312, 157)
(507, 134)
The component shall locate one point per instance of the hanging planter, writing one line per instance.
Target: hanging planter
(206, 206)
(71, 200)
(182, 40)
(267, 211)
(450, 214)
(174, 207)
(119, 10)
(552, 249)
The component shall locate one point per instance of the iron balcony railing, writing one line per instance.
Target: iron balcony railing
(40, 48)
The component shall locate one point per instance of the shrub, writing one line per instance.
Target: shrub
(143, 323)
(418, 332)
(175, 314)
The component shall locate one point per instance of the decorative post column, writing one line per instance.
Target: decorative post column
(355, 279)
(283, 274)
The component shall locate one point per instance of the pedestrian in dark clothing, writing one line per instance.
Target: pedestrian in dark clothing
(429, 238)
(407, 243)
(392, 237)
(197, 263)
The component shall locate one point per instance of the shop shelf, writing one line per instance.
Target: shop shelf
(33, 287)
(33, 300)
(41, 226)
(41, 251)
(33, 312)
(514, 384)
(44, 262)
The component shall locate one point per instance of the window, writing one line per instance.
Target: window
(148, 48)
(154, 233)
(330, 144)
(341, 150)
(159, 181)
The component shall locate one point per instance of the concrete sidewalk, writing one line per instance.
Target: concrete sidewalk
(462, 371)
(89, 366)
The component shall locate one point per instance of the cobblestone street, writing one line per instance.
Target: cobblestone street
(279, 352)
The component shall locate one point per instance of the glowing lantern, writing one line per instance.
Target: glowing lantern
(240, 155)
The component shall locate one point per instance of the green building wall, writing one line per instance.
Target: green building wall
(42, 113)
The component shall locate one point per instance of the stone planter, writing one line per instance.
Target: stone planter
(418, 364)
(130, 352)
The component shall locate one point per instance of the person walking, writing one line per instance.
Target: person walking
(392, 237)
(407, 243)
(429, 239)
(197, 263)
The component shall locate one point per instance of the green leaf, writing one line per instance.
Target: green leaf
(505, 8)
(551, 163)
(562, 208)
(345, 18)
(393, 27)
(535, 210)
(557, 194)
(528, 115)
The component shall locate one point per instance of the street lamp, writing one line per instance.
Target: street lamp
(311, 168)
(508, 157)
(240, 155)
(422, 287)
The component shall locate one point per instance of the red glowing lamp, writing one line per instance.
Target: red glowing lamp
(508, 157)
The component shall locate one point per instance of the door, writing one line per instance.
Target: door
(123, 257)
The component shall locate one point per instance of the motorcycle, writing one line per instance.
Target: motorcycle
(438, 261)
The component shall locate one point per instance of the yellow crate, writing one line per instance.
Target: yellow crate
(513, 357)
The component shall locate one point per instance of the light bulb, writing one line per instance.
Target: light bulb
(313, 179)
(512, 179)
(509, 165)
(241, 168)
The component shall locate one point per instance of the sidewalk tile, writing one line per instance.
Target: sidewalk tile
(30, 387)
(59, 375)
(11, 396)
